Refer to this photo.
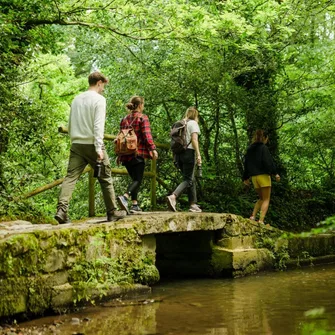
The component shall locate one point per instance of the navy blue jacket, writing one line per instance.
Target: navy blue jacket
(258, 160)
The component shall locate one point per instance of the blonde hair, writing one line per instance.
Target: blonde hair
(192, 114)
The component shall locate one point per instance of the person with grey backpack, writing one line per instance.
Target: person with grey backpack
(185, 147)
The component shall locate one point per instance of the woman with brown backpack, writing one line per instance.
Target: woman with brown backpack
(135, 161)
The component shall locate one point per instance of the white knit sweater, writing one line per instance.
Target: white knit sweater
(87, 119)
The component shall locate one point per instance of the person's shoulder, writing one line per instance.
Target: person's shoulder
(143, 116)
(255, 146)
(193, 125)
(126, 117)
(264, 146)
(80, 95)
(96, 96)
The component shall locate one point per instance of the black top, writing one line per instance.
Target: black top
(258, 160)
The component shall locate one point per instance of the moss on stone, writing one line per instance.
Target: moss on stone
(39, 295)
(20, 254)
(13, 293)
(221, 261)
(86, 261)
(250, 269)
(122, 262)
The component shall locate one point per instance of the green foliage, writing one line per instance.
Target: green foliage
(324, 227)
(278, 248)
(317, 323)
(243, 64)
(299, 210)
(102, 270)
(129, 267)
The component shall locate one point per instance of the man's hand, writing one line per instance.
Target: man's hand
(246, 182)
(277, 178)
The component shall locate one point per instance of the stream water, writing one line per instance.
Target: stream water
(278, 303)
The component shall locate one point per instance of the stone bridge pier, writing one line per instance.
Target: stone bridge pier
(55, 267)
(208, 245)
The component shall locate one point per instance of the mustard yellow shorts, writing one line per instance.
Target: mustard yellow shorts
(261, 180)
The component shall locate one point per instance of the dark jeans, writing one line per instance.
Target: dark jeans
(186, 163)
(135, 169)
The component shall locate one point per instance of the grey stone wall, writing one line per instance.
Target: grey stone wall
(53, 267)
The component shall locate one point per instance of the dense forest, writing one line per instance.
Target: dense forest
(245, 64)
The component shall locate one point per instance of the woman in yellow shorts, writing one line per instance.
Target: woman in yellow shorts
(259, 166)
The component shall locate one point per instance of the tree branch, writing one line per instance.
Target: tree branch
(34, 23)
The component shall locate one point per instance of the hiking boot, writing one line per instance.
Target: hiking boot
(61, 216)
(123, 202)
(195, 209)
(171, 202)
(116, 215)
(135, 209)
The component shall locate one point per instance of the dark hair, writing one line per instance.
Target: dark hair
(94, 77)
(260, 135)
(134, 102)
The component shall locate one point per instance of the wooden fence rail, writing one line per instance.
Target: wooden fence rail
(91, 181)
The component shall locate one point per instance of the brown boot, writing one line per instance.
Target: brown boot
(61, 216)
(116, 215)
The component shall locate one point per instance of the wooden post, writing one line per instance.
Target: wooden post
(91, 196)
(153, 183)
(91, 181)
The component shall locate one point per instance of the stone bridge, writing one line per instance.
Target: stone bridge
(53, 267)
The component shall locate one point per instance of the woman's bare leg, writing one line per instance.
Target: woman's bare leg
(266, 193)
(258, 204)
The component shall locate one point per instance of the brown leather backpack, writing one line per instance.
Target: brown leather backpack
(126, 141)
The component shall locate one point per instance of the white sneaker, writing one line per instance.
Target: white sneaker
(195, 208)
(171, 202)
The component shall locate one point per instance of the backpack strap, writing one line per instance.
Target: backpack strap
(186, 121)
(127, 123)
(135, 117)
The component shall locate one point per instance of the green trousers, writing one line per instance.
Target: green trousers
(80, 156)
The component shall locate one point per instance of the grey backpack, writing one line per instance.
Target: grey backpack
(178, 143)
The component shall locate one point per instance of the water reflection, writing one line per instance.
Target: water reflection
(269, 304)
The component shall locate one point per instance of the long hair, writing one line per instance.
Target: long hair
(192, 114)
(260, 135)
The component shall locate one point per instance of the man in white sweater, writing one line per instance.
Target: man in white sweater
(86, 130)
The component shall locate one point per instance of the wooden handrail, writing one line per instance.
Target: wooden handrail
(151, 174)
(46, 187)
(57, 182)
